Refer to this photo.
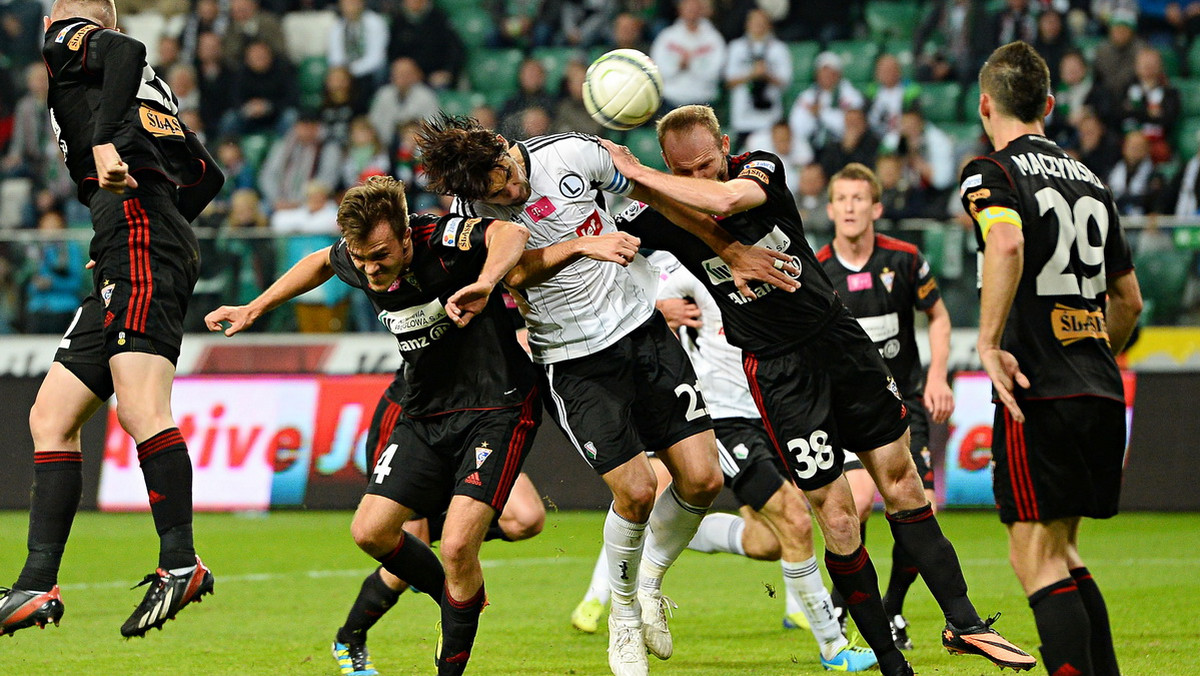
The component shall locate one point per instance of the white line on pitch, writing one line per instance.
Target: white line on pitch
(321, 574)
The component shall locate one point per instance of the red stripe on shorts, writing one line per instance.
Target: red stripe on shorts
(750, 366)
(516, 450)
(386, 426)
(1018, 469)
(144, 310)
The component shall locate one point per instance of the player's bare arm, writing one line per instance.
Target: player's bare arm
(939, 398)
(538, 265)
(720, 198)
(312, 271)
(1124, 307)
(1003, 260)
(505, 242)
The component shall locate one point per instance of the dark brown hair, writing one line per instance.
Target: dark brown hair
(380, 198)
(458, 155)
(1018, 81)
(857, 172)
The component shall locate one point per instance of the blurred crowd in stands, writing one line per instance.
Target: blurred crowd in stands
(300, 99)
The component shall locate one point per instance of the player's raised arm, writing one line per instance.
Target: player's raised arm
(120, 59)
(505, 242)
(538, 265)
(312, 271)
(194, 198)
(719, 198)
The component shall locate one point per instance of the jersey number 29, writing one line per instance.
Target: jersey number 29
(1056, 278)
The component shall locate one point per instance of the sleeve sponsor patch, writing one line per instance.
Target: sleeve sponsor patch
(972, 181)
(77, 40)
(451, 232)
(926, 289)
(755, 173)
(924, 269)
(766, 165)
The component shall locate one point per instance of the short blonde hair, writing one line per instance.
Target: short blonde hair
(684, 118)
(857, 172)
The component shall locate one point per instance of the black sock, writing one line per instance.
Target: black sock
(168, 474)
(904, 573)
(374, 599)
(1104, 657)
(495, 532)
(1063, 626)
(918, 532)
(835, 596)
(415, 563)
(854, 576)
(460, 623)
(57, 486)
(436, 523)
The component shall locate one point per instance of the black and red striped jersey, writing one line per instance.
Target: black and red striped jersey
(103, 91)
(882, 294)
(1073, 245)
(480, 366)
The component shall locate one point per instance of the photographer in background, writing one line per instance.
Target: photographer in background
(757, 71)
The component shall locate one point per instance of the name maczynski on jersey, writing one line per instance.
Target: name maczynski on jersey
(1035, 164)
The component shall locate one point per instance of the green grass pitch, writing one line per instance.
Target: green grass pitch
(285, 581)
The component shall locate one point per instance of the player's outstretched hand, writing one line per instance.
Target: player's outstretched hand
(614, 247)
(939, 400)
(1005, 372)
(111, 169)
(468, 302)
(680, 312)
(623, 158)
(231, 319)
(759, 264)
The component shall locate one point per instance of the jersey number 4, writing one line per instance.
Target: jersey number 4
(384, 466)
(1056, 277)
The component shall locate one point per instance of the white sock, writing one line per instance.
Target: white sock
(182, 571)
(598, 589)
(623, 542)
(673, 523)
(720, 532)
(803, 579)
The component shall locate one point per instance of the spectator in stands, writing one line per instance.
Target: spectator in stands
(928, 153)
(1077, 94)
(424, 34)
(821, 21)
(1053, 42)
(757, 70)
(968, 34)
(629, 32)
(250, 260)
(486, 115)
(239, 175)
(535, 121)
(1184, 18)
(570, 114)
(1151, 105)
(245, 212)
(358, 40)
(522, 23)
(819, 113)
(1098, 148)
(32, 150)
(889, 95)
(531, 93)
(315, 215)
(405, 99)
(212, 80)
(206, 17)
(249, 24)
(1184, 194)
(182, 80)
(859, 144)
(407, 167)
(899, 198)
(1115, 57)
(811, 198)
(296, 159)
(340, 103)
(365, 155)
(584, 23)
(795, 153)
(689, 54)
(169, 54)
(21, 32)
(52, 292)
(1014, 22)
(1133, 178)
(264, 93)
(313, 224)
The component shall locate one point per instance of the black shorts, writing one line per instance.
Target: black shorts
(1065, 460)
(918, 426)
(387, 414)
(752, 469)
(831, 393)
(476, 453)
(147, 262)
(638, 394)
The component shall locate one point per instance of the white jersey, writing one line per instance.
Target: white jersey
(589, 304)
(718, 364)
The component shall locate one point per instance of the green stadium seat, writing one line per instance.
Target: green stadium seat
(1087, 44)
(459, 103)
(494, 70)
(474, 26)
(1193, 58)
(1189, 92)
(452, 7)
(1186, 141)
(554, 60)
(643, 141)
(255, 148)
(892, 19)
(939, 101)
(310, 77)
(793, 91)
(1162, 276)
(970, 103)
(858, 58)
(965, 134)
(1172, 64)
(804, 54)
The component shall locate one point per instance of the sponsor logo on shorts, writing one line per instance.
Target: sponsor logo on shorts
(1072, 325)
(106, 293)
(590, 449)
(890, 349)
(108, 318)
(741, 452)
(893, 388)
(121, 338)
(481, 453)
(888, 277)
(473, 479)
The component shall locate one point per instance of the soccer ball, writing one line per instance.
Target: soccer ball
(622, 89)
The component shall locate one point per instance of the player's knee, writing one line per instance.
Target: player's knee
(761, 545)
(842, 529)
(142, 422)
(458, 552)
(525, 524)
(702, 488)
(373, 539)
(635, 499)
(49, 430)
